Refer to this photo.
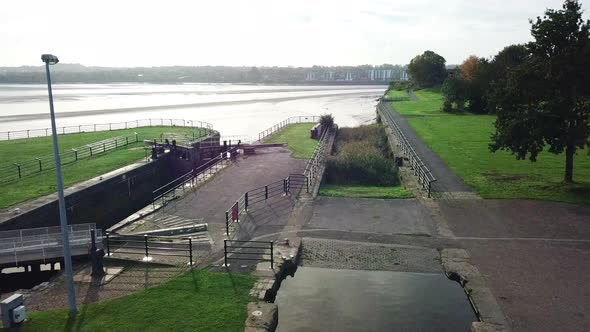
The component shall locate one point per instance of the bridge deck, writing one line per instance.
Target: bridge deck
(44, 244)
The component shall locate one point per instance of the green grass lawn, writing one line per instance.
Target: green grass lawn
(462, 142)
(429, 103)
(297, 136)
(395, 95)
(43, 183)
(196, 301)
(336, 190)
(26, 149)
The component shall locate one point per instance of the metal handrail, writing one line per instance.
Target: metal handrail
(182, 180)
(425, 176)
(76, 129)
(281, 125)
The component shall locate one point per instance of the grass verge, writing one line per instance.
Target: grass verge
(341, 190)
(29, 148)
(429, 103)
(43, 183)
(196, 301)
(396, 95)
(462, 142)
(297, 136)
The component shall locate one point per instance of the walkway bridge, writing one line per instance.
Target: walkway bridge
(44, 245)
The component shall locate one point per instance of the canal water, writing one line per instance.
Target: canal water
(318, 299)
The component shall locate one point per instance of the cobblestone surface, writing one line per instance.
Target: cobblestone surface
(337, 254)
(135, 276)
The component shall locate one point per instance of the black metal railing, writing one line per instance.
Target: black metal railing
(85, 128)
(421, 171)
(177, 187)
(318, 156)
(283, 187)
(262, 251)
(18, 170)
(281, 125)
(148, 246)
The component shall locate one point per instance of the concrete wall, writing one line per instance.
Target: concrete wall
(105, 203)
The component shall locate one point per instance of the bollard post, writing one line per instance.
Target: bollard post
(307, 184)
(190, 250)
(271, 256)
(40, 164)
(225, 253)
(145, 241)
(265, 192)
(246, 201)
(18, 167)
(108, 244)
(227, 223)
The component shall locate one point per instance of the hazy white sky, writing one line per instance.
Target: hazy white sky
(260, 32)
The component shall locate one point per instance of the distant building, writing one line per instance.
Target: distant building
(380, 74)
(451, 69)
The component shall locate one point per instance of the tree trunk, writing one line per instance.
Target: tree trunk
(569, 163)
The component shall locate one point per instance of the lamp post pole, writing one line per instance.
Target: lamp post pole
(50, 59)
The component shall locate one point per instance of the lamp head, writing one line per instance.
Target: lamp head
(49, 59)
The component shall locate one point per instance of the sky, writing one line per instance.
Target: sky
(128, 33)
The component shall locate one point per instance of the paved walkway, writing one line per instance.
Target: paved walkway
(447, 180)
(535, 257)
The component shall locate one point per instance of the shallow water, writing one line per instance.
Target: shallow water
(232, 109)
(319, 299)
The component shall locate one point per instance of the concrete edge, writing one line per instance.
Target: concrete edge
(457, 266)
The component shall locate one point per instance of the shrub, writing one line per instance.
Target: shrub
(327, 120)
(362, 157)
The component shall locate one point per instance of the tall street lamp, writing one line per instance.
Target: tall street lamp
(52, 60)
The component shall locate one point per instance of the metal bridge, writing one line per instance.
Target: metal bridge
(45, 244)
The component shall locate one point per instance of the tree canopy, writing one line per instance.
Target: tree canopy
(544, 98)
(427, 69)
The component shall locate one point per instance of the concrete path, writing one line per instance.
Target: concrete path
(535, 257)
(371, 216)
(447, 180)
(211, 200)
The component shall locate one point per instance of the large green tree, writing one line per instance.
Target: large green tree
(546, 100)
(427, 69)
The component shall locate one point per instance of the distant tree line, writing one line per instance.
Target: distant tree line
(75, 73)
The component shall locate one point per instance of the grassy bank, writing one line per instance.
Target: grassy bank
(43, 183)
(462, 142)
(26, 149)
(196, 301)
(396, 95)
(335, 190)
(429, 103)
(298, 138)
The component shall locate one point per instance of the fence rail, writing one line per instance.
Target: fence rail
(43, 132)
(148, 246)
(18, 170)
(318, 157)
(262, 251)
(44, 243)
(283, 187)
(421, 171)
(177, 187)
(281, 125)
